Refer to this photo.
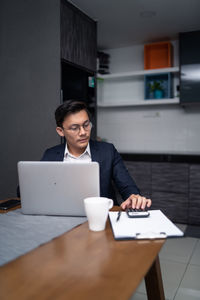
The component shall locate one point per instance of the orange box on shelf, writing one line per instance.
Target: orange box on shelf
(158, 55)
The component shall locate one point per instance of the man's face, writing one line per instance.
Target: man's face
(76, 129)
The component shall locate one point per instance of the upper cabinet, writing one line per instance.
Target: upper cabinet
(190, 67)
(78, 37)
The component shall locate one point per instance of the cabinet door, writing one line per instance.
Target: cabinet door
(170, 177)
(141, 174)
(78, 37)
(173, 205)
(194, 196)
(170, 190)
(189, 67)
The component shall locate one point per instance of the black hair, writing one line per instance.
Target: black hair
(67, 108)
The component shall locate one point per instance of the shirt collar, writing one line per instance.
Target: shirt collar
(87, 151)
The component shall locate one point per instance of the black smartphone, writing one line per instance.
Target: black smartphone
(137, 213)
(9, 204)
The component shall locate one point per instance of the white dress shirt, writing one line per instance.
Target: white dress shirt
(84, 157)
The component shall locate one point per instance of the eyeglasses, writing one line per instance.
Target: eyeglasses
(75, 129)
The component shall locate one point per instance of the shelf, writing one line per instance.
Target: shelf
(142, 103)
(139, 73)
(129, 86)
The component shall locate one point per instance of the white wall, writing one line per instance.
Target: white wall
(145, 129)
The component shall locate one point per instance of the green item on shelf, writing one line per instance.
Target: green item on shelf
(156, 85)
(156, 88)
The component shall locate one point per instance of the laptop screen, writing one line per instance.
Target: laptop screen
(57, 188)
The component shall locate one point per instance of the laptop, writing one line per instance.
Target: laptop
(57, 188)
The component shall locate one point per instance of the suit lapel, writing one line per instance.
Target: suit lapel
(94, 152)
(60, 152)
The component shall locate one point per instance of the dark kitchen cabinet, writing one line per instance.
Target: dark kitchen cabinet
(141, 174)
(170, 190)
(78, 37)
(194, 198)
(78, 42)
(173, 187)
(189, 67)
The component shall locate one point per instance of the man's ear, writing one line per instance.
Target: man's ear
(60, 131)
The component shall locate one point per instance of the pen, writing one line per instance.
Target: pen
(118, 216)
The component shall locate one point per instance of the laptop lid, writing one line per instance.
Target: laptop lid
(57, 188)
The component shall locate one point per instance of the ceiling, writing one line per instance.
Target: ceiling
(123, 23)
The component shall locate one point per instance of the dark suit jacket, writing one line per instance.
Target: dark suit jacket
(111, 166)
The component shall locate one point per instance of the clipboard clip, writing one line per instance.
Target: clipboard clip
(151, 235)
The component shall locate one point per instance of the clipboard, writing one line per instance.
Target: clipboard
(156, 226)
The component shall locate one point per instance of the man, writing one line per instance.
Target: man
(73, 123)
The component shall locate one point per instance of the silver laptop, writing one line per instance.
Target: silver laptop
(57, 188)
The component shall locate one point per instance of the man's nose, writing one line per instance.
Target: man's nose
(81, 130)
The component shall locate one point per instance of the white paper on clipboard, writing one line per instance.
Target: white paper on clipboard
(156, 226)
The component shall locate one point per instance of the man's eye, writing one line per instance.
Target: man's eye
(74, 128)
(86, 124)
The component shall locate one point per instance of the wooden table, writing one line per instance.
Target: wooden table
(82, 264)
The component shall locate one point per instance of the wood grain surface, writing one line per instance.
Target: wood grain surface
(82, 264)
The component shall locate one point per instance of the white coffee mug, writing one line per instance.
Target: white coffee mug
(96, 209)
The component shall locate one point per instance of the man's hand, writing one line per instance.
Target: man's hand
(136, 201)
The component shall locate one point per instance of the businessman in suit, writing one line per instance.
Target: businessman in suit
(73, 123)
